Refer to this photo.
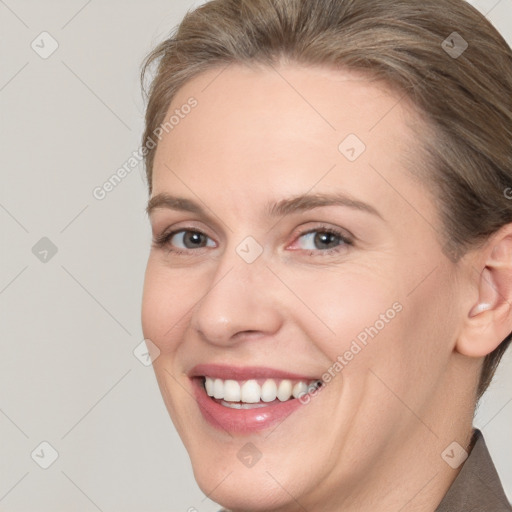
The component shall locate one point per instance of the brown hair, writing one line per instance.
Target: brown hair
(418, 47)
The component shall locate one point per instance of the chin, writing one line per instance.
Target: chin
(246, 489)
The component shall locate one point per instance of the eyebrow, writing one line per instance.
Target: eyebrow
(283, 207)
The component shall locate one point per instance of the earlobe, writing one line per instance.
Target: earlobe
(489, 320)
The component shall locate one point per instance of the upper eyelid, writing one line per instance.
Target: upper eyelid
(176, 229)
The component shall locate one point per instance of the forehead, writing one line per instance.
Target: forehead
(284, 128)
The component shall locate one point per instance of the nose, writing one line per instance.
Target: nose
(240, 301)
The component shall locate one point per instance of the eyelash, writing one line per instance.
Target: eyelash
(163, 241)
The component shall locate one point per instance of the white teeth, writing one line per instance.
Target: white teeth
(232, 391)
(299, 389)
(249, 394)
(284, 391)
(208, 384)
(218, 388)
(269, 391)
(238, 405)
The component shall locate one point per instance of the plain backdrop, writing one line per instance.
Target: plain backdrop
(72, 268)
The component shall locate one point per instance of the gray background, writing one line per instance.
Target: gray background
(69, 325)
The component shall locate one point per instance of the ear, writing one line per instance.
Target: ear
(489, 320)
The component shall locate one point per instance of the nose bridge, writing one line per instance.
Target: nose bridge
(238, 297)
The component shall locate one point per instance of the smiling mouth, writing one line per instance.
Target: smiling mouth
(256, 393)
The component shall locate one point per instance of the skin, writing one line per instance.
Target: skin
(372, 439)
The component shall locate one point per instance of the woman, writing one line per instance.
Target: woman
(329, 285)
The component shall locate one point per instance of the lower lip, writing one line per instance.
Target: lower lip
(241, 421)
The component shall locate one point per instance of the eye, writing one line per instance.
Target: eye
(323, 240)
(183, 240)
(319, 241)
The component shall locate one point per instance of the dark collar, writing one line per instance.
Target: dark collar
(477, 486)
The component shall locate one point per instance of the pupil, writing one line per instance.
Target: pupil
(324, 238)
(193, 238)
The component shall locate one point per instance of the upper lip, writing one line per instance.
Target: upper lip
(225, 372)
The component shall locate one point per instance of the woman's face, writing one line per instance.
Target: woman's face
(303, 250)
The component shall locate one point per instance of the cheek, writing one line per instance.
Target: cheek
(165, 302)
(411, 353)
(345, 307)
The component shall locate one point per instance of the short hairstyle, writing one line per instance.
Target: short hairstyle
(418, 47)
